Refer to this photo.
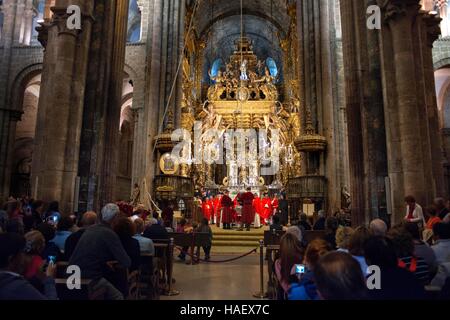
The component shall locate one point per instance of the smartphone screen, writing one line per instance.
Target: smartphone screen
(52, 259)
(300, 269)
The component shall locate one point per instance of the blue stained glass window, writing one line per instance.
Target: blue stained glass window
(217, 64)
(272, 65)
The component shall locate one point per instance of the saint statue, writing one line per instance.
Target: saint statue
(244, 76)
(136, 196)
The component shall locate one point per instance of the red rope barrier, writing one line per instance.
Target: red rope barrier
(221, 261)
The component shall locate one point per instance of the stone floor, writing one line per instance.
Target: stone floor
(237, 280)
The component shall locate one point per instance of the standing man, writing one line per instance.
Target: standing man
(167, 216)
(227, 210)
(283, 208)
(217, 207)
(247, 208)
(414, 212)
(266, 208)
(257, 210)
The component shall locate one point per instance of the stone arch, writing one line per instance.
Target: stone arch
(15, 100)
(25, 99)
(445, 62)
(130, 72)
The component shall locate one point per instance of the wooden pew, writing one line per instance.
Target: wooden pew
(149, 277)
(85, 293)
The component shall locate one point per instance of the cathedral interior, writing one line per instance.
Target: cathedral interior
(358, 118)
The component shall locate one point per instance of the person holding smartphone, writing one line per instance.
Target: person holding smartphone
(291, 254)
(13, 286)
(305, 288)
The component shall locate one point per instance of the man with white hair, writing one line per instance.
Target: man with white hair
(99, 245)
(295, 231)
(155, 231)
(378, 227)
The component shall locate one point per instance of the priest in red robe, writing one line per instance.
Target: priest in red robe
(217, 206)
(266, 208)
(257, 209)
(207, 209)
(248, 214)
(227, 210)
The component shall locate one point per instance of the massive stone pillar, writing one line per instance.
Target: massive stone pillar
(430, 33)
(102, 102)
(365, 113)
(55, 164)
(414, 154)
(10, 8)
(317, 56)
(165, 42)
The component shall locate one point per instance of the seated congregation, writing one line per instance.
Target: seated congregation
(413, 259)
(123, 255)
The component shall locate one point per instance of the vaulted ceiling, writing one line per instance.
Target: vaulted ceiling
(219, 22)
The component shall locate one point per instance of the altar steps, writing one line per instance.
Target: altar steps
(235, 242)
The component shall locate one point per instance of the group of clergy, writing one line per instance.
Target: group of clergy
(246, 208)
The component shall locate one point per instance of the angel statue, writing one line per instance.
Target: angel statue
(244, 76)
(219, 79)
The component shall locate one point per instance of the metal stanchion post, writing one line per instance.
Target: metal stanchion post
(170, 292)
(261, 294)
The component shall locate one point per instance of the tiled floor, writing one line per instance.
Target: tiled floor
(237, 280)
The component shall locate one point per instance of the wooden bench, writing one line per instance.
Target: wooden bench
(85, 293)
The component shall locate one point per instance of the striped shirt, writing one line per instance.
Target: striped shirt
(421, 271)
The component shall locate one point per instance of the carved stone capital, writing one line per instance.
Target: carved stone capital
(433, 25)
(394, 9)
(42, 30)
(60, 17)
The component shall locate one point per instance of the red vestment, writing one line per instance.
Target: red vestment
(248, 214)
(217, 207)
(257, 205)
(266, 208)
(207, 209)
(227, 209)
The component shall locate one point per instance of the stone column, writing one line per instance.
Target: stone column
(8, 121)
(60, 107)
(114, 96)
(18, 22)
(165, 43)
(10, 8)
(353, 107)
(28, 22)
(99, 146)
(430, 33)
(400, 16)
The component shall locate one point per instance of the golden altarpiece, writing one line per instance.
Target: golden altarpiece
(244, 95)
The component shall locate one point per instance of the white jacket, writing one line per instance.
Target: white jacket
(417, 215)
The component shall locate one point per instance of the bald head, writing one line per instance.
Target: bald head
(89, 219)
(378, 227)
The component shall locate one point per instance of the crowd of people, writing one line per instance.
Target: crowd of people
(413, 258)
(35, 236)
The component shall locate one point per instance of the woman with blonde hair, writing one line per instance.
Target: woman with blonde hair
(343, 235)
